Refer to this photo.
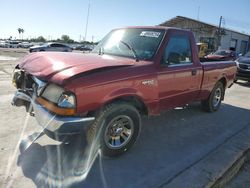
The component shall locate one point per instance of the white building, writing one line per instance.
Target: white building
(208, 33)
(236, 40)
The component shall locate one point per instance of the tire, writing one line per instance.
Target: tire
(116, 128)
(213, 102)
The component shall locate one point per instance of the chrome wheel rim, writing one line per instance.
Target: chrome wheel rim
(217, 97)
(119, 132)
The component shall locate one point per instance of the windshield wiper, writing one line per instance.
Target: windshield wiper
(132, 49)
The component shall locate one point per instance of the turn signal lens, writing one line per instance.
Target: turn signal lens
(55, 109)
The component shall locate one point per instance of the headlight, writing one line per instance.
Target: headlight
(52, 93)
(67, 100)
(58, 101)
(57, 95)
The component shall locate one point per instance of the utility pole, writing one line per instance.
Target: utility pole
(198, 14)
(87, 21)
(219, 33)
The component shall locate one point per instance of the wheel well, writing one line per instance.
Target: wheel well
(224, 82)
(135, 101)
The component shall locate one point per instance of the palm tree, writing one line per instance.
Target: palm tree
(20, 30)
(22, 33)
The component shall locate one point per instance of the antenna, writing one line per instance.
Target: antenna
(198, 14)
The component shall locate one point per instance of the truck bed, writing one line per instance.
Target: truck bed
(212, 70)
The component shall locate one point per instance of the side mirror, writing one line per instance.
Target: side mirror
(164, 62)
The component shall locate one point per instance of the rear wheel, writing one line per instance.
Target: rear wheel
(213, 102)
(116, 128)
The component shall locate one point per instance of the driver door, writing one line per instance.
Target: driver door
(179, 78)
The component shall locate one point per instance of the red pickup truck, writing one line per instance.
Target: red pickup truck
(132, 72)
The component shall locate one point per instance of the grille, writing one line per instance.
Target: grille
(243, 66)
(22, 80)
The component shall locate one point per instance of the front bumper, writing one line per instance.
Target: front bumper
(243, 74)
(47, 120)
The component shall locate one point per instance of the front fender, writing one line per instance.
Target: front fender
(123, 92)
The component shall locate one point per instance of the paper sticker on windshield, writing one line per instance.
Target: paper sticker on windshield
(153, 34)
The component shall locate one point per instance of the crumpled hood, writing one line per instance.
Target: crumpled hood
(57, 67)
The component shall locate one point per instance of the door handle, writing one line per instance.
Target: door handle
(194, 72)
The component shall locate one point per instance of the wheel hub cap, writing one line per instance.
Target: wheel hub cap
(217, 97)
(119, 131)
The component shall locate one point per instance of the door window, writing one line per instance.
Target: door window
(178, 51)
(57, 45)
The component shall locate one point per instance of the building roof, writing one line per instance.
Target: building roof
(177, 19)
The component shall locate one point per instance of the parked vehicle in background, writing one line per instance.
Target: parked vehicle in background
(2, 44)
(84, 47)
(243, 67)
(223, 55)
(24, 45)
(13, 44)
(53, 46)
(202, 49)
(132, 72)
(10, 44)
(5, 44)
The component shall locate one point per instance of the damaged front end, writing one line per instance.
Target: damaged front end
(53, 107)
(27, 85)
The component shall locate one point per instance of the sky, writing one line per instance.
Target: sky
(53, 18)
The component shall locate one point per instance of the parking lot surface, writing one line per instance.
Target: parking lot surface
(168, 145)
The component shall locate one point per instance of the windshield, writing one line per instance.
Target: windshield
(247, 54)
(139, 42)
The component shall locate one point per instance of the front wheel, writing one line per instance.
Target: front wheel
(116, 128)
(213, 102)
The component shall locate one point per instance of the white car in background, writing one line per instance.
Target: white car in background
(9, 44)
(51, 47)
